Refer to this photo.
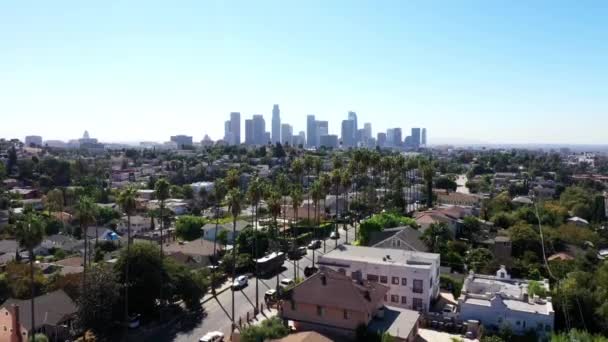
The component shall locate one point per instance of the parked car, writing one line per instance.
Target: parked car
(296, 253)
(314, 244)
(449, 310)
(213, 336)
(134, 321)
(286, 282)
(334, 235)
(240, 282)
(270, 295)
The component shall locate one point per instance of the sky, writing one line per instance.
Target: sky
(475, 71)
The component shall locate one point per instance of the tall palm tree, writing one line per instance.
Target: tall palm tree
(254, 194)
(235, 198)
(428, 172)
(29, 234)
(283, 188)
(345, 182)
(273, 201)
(325, 180)
(336, 178)
(85, 212)
(308, 164)
(161, 190)
(232, 179)
(128, 204)
(296, 202)
(316, 192)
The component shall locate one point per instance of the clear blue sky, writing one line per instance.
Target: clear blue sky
(491, 71)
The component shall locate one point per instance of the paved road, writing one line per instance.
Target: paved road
(218, 309)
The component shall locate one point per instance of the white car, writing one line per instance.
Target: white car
(286, 282)
(240, 282)
(449, 310)
(214, 336)
(334, 235)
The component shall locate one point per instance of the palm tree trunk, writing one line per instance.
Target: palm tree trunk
(295, 267)
(162, 226)
(84, 261)
(233, 267)
(127, 273)
(255, 253)
(33, 292)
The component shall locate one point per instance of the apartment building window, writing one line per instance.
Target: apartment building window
(346, 314)
(320, 311)
(403, 281)
(417, 304)
(403, 300)
(372, 277)
(394, 298)
(417, 286)
(383, 279)
(395, 280)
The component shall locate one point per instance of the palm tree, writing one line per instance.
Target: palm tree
(283, 188)
(336, 178)
(273, 201)
(161, 190)
(232, 179)
(325, 180)
(308, 164)
(296, 202)
(29, 234)
(126, 200)
(427, 174)
(345, 182)
(86, 212)
(254, 193)
(316, 193)
(235, 198)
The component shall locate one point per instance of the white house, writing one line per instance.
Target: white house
(209, 230)
(497, 301)
(413, 277)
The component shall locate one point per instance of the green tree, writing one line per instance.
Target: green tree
(126, 200)
(436, 237)
(85, 212)
(29, 234)
(161, 190)
(270, 329)
(96, 308)
(470, 227)
(235, 198)
(478, 259)
(189, 227)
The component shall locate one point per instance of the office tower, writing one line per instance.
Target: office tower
(182, 140)
(35, 140)
(408, 142)
(381, 139)
(368, 130)
(423, 139)
(415, 137)
(235, 128)
(286, 134)
(329, 141)
(227, 132)
(276, 124)
(348, 127)
(353, 117)
(390, 137)
(249, 132)
(322, 128)
(311, 131)
(299, 139)
(398, 137)
(259, 129)
(267, 138)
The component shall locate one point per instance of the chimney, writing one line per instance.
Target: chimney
(16, 333)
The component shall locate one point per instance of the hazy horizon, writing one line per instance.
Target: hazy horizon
(493, 73)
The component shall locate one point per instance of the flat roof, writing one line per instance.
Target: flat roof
(397, 322)
(382, 256)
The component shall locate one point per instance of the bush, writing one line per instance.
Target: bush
(189, 227)
(451, 284)
(272, 328)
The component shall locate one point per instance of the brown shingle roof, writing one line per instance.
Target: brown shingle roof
(339, 291)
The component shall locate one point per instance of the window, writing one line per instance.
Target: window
(417, 304)
(403, 281)
(395, 280)
(372, 277)
(346, 315)
(383, 279)
(394, 298)
(403, 300)
(417, 286)
(320, 311)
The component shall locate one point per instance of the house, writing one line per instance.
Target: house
(146, 194)
(457, 198)
(63, 242)
(209, 230)
(405, 238)
(412, 277)
(500, 246)
(304, 336)
(55, 312)
(425, 219)
(194, 254)
(331, 302)
(8, 251)
(139, 224)
(34, 203)
(25, 193)
(497, 301)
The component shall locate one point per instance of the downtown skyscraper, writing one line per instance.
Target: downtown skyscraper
(276, 124)
(235, 128)
(311, 131)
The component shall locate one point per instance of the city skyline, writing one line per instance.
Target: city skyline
(480, 71)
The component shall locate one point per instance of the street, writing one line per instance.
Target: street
(218, 309)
